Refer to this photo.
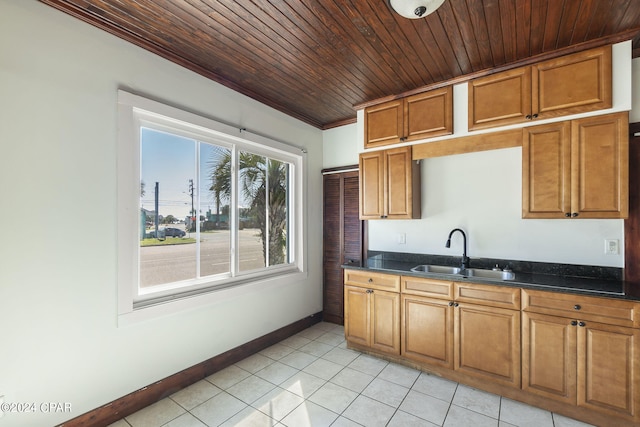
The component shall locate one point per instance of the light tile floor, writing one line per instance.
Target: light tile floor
(312, 379)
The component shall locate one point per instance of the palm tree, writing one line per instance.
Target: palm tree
(261, 181)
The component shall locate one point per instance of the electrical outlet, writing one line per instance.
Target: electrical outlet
(402, 238)
(611, 246)
(1, 406)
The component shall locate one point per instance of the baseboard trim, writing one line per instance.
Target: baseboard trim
(133, 402)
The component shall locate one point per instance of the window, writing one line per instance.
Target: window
(202, 206)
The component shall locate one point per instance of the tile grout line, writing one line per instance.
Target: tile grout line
(450, 404)
(343, 361)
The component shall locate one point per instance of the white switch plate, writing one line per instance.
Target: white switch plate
(611, 246)
(402, 238)
(1, 404)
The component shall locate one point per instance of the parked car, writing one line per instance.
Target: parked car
(174, 232)
(152, 234)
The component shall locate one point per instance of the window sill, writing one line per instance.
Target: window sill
(147, 310)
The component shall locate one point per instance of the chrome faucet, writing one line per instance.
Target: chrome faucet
(465, 260)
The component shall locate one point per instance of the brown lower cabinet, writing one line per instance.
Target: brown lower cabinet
(472, 329)
(372, 310)
(487, 343)
(477, 340)
(571, 354)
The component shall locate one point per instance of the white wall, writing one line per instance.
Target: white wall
(634, 115)
(60, 340)
(339, 148)
(482, 193)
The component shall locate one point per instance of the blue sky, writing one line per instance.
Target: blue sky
(170, 160)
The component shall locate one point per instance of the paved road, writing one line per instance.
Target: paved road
(171, 263)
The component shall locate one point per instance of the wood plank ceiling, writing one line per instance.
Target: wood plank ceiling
(316, 60)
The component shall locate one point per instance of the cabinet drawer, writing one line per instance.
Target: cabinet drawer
(495, 296)
(427, 287)
(369, 279)
(603, 310)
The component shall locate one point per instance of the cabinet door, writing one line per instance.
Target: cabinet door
(427, 330)
(352, 226)
(372, 185)
(546, 171)
(572, 84)
(608, 378)
(357, 319)
(385, 321)
(399, 197)
(429, 114)
(487, 343)
(383, 123)
(549, 356)
(600, 164)
(342, 239)
(500, 99)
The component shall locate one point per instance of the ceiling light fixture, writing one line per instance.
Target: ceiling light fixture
(415, 9)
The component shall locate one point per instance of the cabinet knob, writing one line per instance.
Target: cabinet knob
(535, 116)
(450, 303)
(574, 322)
(455, 304)
(528, 117)
(577, 307)
(568, 215)
(582, 324)
(370, 280)
(575, 214)
(369, 291)
(403, 139)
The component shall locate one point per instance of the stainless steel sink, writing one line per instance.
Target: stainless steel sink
(489, 274)
(468, 272)
(436, 269)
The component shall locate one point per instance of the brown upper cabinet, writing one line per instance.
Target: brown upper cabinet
(562, 86)
(419, 116)
(576, 169)
(389, 185)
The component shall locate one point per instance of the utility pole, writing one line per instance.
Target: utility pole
(156, 208)
(193, 211)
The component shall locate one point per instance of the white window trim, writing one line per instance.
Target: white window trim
(132, 112)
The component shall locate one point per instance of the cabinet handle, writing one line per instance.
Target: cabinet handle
(577, 307)
(403, 138)
(575, 214)
(582, 324)
(455, 304)
(535, 116)
(528, 117)
(369, 291)
(574, 322)
(370, 280)
(568, 215)
(450, 303)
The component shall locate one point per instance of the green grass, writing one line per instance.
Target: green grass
(167, 241)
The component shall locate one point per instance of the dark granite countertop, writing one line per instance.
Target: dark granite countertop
(584, 280)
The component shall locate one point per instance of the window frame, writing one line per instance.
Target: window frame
(135, 112)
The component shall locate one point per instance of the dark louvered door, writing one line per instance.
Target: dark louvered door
(342, 238)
